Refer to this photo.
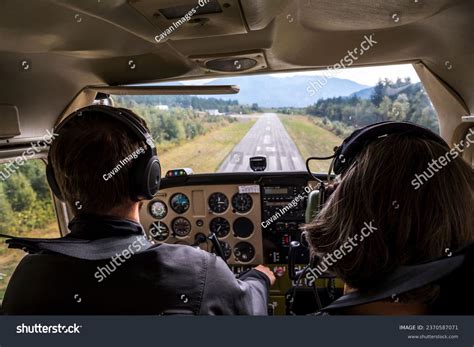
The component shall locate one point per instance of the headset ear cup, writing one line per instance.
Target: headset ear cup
(145, 179)
(153, 175)
(53, 184)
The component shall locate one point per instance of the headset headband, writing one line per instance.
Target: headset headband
(120, 114)
(359, 139)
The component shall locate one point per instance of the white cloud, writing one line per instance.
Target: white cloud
(198, 82)
(365, 75)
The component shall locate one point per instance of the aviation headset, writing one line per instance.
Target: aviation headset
(145, 173)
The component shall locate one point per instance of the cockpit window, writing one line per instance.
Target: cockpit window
(284, 117)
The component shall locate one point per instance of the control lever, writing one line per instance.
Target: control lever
(292, 272)
(217, 246)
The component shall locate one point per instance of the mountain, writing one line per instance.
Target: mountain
(296, 91)
(364, 93)
(367, 92)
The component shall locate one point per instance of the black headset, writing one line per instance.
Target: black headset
(145, 173)
(345, 154)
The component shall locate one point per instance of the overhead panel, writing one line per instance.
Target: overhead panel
(351, 15)
(187, 19)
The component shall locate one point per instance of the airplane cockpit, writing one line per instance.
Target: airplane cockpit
(319, 153)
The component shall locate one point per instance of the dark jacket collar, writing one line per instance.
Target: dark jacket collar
(92, 227)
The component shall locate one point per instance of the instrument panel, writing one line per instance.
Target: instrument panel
(254, 216)
(187, 215)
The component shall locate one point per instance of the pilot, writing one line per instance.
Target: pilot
(381, 218)
(92, 159)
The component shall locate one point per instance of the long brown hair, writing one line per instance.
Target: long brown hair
(413, 225)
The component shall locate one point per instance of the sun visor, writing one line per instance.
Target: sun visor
(10, 121)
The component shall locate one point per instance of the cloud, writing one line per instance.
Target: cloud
(365, 75)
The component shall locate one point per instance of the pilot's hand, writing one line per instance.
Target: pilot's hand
(269, 273)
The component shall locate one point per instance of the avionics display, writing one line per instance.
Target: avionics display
(275, 190)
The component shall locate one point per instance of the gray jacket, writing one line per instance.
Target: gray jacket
(164, 279)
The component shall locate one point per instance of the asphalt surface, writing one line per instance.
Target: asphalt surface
(267, 137)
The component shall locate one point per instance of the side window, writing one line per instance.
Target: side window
(26, 209)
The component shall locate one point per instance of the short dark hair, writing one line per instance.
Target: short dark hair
(413, 225)
(86, 148)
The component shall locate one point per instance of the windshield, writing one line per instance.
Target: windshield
(284, 117)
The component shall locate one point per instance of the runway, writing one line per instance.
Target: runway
(267, 137)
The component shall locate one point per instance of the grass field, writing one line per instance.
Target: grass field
(205, 153)
(311, 140)
(9, 258)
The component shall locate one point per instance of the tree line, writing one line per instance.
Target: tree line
(187, 101)
(396, 101)
(178, 123)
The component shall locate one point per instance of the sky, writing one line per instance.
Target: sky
(363, 75)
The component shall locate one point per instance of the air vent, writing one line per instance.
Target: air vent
(204, 7)
(232, 63)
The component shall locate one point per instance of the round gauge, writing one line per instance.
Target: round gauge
(243, 227)
(159, 231)
(244, 252)
(220, 226)
(225, 248)
(158, 209)
(179, 203)
(242, 202)
(181, 226)
(218, 202)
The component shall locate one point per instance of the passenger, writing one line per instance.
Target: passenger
(397, 205)
(163, 279)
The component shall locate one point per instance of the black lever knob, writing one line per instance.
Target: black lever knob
(292, 273)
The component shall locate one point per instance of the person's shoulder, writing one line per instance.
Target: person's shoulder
(179, 250)
(180, 255)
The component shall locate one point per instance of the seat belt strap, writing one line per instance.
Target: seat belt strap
(100, 249)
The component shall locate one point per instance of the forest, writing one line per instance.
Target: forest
(179, 123)
(25, 199)
(397, 101)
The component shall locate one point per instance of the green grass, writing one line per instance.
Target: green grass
(311, 140)
(206, 153)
